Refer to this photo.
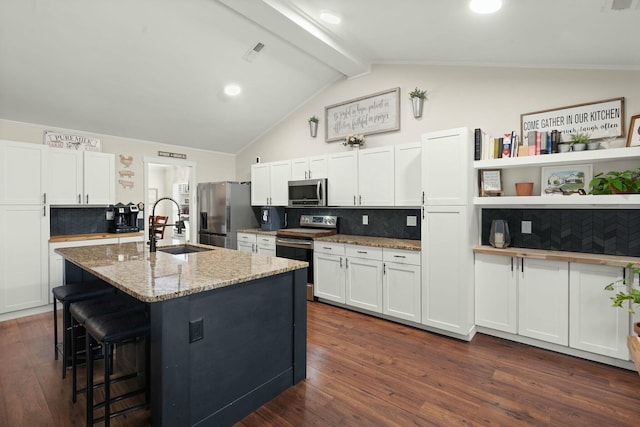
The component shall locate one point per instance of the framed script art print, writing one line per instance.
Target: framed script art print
(491, 182)
(633, 139)
(375, 113)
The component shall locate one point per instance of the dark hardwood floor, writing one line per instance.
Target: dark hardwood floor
(363, 371)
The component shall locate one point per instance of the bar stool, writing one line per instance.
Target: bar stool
(83, 310)
(109, 330)
(67, 294)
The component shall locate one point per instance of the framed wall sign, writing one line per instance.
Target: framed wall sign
(633, 139)
(600, 119)
(375, 113)
(491, 182)
(565, 180)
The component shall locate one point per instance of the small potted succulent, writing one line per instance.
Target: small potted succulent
(579, 141)
(417, 97)
(313, 126)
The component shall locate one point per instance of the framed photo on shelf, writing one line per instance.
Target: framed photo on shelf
(491, 182)
(565, 180)
(633, 139)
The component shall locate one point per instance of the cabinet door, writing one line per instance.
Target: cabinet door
(266, 245)
(246, 242)
(23, 171)
(375, 177)
(329, 277)
(279, 183)
(99, 178)
(594, 325)
(317, 167)
(401, 291)
(299, 169)
(24, 258)
(408, 174)
(260, 184)
(543, 300)
(342, 182)
(65, 177)
(496, 292)
(364, 283)
(447, 269)
(446, 167)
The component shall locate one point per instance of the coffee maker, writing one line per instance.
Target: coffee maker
(272, 218)
(123, 218)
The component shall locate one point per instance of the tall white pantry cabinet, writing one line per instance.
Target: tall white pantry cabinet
(449, 232)
(24, 226)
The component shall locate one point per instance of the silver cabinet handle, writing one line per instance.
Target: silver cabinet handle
(384, 268)
(327, 248)
(399, 256)
(354, 200)
(44, 198)
(360, 200)
(309, 174)
(44, 211)
(340, 262)
(79, 198)
(87, 199)
(346, 263)
(361, 252)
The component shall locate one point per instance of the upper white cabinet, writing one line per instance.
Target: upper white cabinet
(408, 174)
(361, 177)
(270, 183)
(23, 169)
(81, 177)
(309, 168)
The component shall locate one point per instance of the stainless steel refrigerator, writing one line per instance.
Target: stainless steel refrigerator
(225, 207)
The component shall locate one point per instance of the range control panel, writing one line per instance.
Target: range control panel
(319, 221)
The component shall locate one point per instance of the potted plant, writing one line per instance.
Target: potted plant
(313, 126)
(353, 141)
(614, 182)
(579, 141)
(417, 97)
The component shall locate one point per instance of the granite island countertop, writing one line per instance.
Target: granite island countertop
(158, 276)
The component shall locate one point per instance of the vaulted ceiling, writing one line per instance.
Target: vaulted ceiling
(155, 69)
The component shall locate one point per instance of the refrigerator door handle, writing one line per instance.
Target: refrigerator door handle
(203, 221)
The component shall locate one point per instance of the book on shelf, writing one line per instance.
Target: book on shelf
(477, 144)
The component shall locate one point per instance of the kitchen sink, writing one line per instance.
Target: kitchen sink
(184, 249)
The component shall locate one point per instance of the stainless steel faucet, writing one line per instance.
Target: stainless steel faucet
(179, 224)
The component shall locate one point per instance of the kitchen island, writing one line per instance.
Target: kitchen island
(228, 329)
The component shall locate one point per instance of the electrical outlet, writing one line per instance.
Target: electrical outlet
(526, 227)
(412, 221)
(365, 219)
(196, 330)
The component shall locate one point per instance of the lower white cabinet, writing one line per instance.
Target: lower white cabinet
(256, 243)
(328, 271)
(401, 288)
(246, 242)
(363, 267)
(266, 245)
(496, 292)
(595, 325)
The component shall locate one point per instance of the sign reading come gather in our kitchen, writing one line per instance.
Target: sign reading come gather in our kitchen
(600, 119)
(375, 113)
(72, 142)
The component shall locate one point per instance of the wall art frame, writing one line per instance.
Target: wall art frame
(491, 182)
(633, 138)
(375, 113)
(565, 180)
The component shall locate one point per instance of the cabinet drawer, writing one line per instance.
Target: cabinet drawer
(266, 240)
(247, 238)
(329, 248)
(366, 252)
(401, 256)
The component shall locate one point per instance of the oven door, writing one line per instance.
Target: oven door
(298, 249)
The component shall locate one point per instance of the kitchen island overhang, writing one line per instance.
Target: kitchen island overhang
(228, 328)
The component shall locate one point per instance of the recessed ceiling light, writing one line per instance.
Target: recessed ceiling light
(485, 6)
(232, 90)
(330, 17)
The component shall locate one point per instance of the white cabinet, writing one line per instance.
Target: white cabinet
(595, 325)
(81, 177)
(496, 292)
(247, 242)
(309, 168)
(543, 300)
(361, 177)
(22, 173)
(270, 183)
(328, 271)
(401, 284)
(363, 267)
(408, 174)
(266, 245)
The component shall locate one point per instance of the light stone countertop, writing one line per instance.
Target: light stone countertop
(159, 276)
(379, 242)
(258, 231)
(92, 236)
(612, 260)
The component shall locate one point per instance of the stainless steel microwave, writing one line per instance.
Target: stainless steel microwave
(308, 192)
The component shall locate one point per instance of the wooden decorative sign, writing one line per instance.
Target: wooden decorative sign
(72, 142)
(600, 119)
(375, 113)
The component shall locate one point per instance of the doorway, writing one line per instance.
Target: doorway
(174, 178)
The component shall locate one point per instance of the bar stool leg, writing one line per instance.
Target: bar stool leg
(89, 392)
(74, 360)
(107, 383)
(55, 328)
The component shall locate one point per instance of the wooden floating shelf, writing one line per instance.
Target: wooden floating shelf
(613, 200)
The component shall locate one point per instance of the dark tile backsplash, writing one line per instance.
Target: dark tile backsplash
(65, 221)
(382, 222)
(598, 231)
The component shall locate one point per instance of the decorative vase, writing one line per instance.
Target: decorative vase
(313, 129)
(636, 328)
(579, 147)
(564, 148)
(499, 235)
(417, 104)
(593, 145)
(354, 146)
(524, 188)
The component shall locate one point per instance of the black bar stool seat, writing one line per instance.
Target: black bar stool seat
(82, 310)
(67, 294)
(108, 330)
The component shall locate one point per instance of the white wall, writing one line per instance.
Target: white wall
(484, 97)
(211, 166)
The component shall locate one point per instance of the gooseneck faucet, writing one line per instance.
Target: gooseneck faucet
(179, 224)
